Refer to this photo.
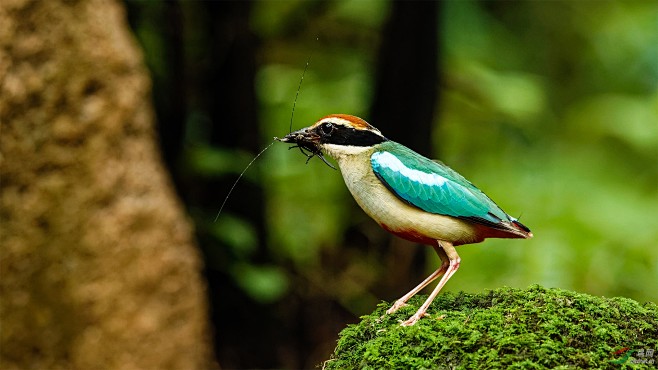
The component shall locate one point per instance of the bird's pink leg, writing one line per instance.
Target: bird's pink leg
(450, 254)
(440, 271)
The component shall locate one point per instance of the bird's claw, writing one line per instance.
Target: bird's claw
(413, 319)
(396, 306)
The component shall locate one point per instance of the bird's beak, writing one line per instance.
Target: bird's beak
(303, 137)
(307, 141)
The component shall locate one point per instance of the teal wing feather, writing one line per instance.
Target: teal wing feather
(432, 186)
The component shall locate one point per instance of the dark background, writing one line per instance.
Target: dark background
(551, 108)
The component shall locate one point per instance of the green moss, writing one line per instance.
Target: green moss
(534, 328)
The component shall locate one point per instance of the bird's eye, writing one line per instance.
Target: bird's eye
(327, 128)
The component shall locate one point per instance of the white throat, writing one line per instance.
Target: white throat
(343, 152)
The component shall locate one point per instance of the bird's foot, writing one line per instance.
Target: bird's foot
(413, 319)
(396, 306)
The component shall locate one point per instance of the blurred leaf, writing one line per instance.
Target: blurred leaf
(520, 96)
(631, 27)
(264, 284)
(237, 233)
(631, 119)
(377, 11)
(270, 18)
(211, 161)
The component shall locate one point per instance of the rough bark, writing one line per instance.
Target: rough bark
(99, 268)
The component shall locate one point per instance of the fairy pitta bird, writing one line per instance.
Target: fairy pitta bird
(411, 196)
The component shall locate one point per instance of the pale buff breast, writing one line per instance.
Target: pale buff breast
(386, 208)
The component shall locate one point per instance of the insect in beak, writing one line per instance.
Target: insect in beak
(308, 144)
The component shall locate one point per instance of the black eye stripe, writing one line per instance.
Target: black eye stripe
(333, 133)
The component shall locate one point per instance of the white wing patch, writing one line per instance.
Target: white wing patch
(386, 159)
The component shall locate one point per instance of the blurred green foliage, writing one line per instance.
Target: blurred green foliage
(551, 108)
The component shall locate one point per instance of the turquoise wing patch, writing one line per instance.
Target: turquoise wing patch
(431, 186)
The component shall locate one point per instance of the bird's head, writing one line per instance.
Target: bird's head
(337, 135)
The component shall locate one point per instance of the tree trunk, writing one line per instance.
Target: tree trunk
(99, 268)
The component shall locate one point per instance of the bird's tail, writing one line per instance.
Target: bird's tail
(520, 229)
(510, 229)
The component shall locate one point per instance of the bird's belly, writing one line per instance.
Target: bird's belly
(400, 218)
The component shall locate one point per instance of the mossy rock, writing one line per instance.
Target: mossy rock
(534, 328)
